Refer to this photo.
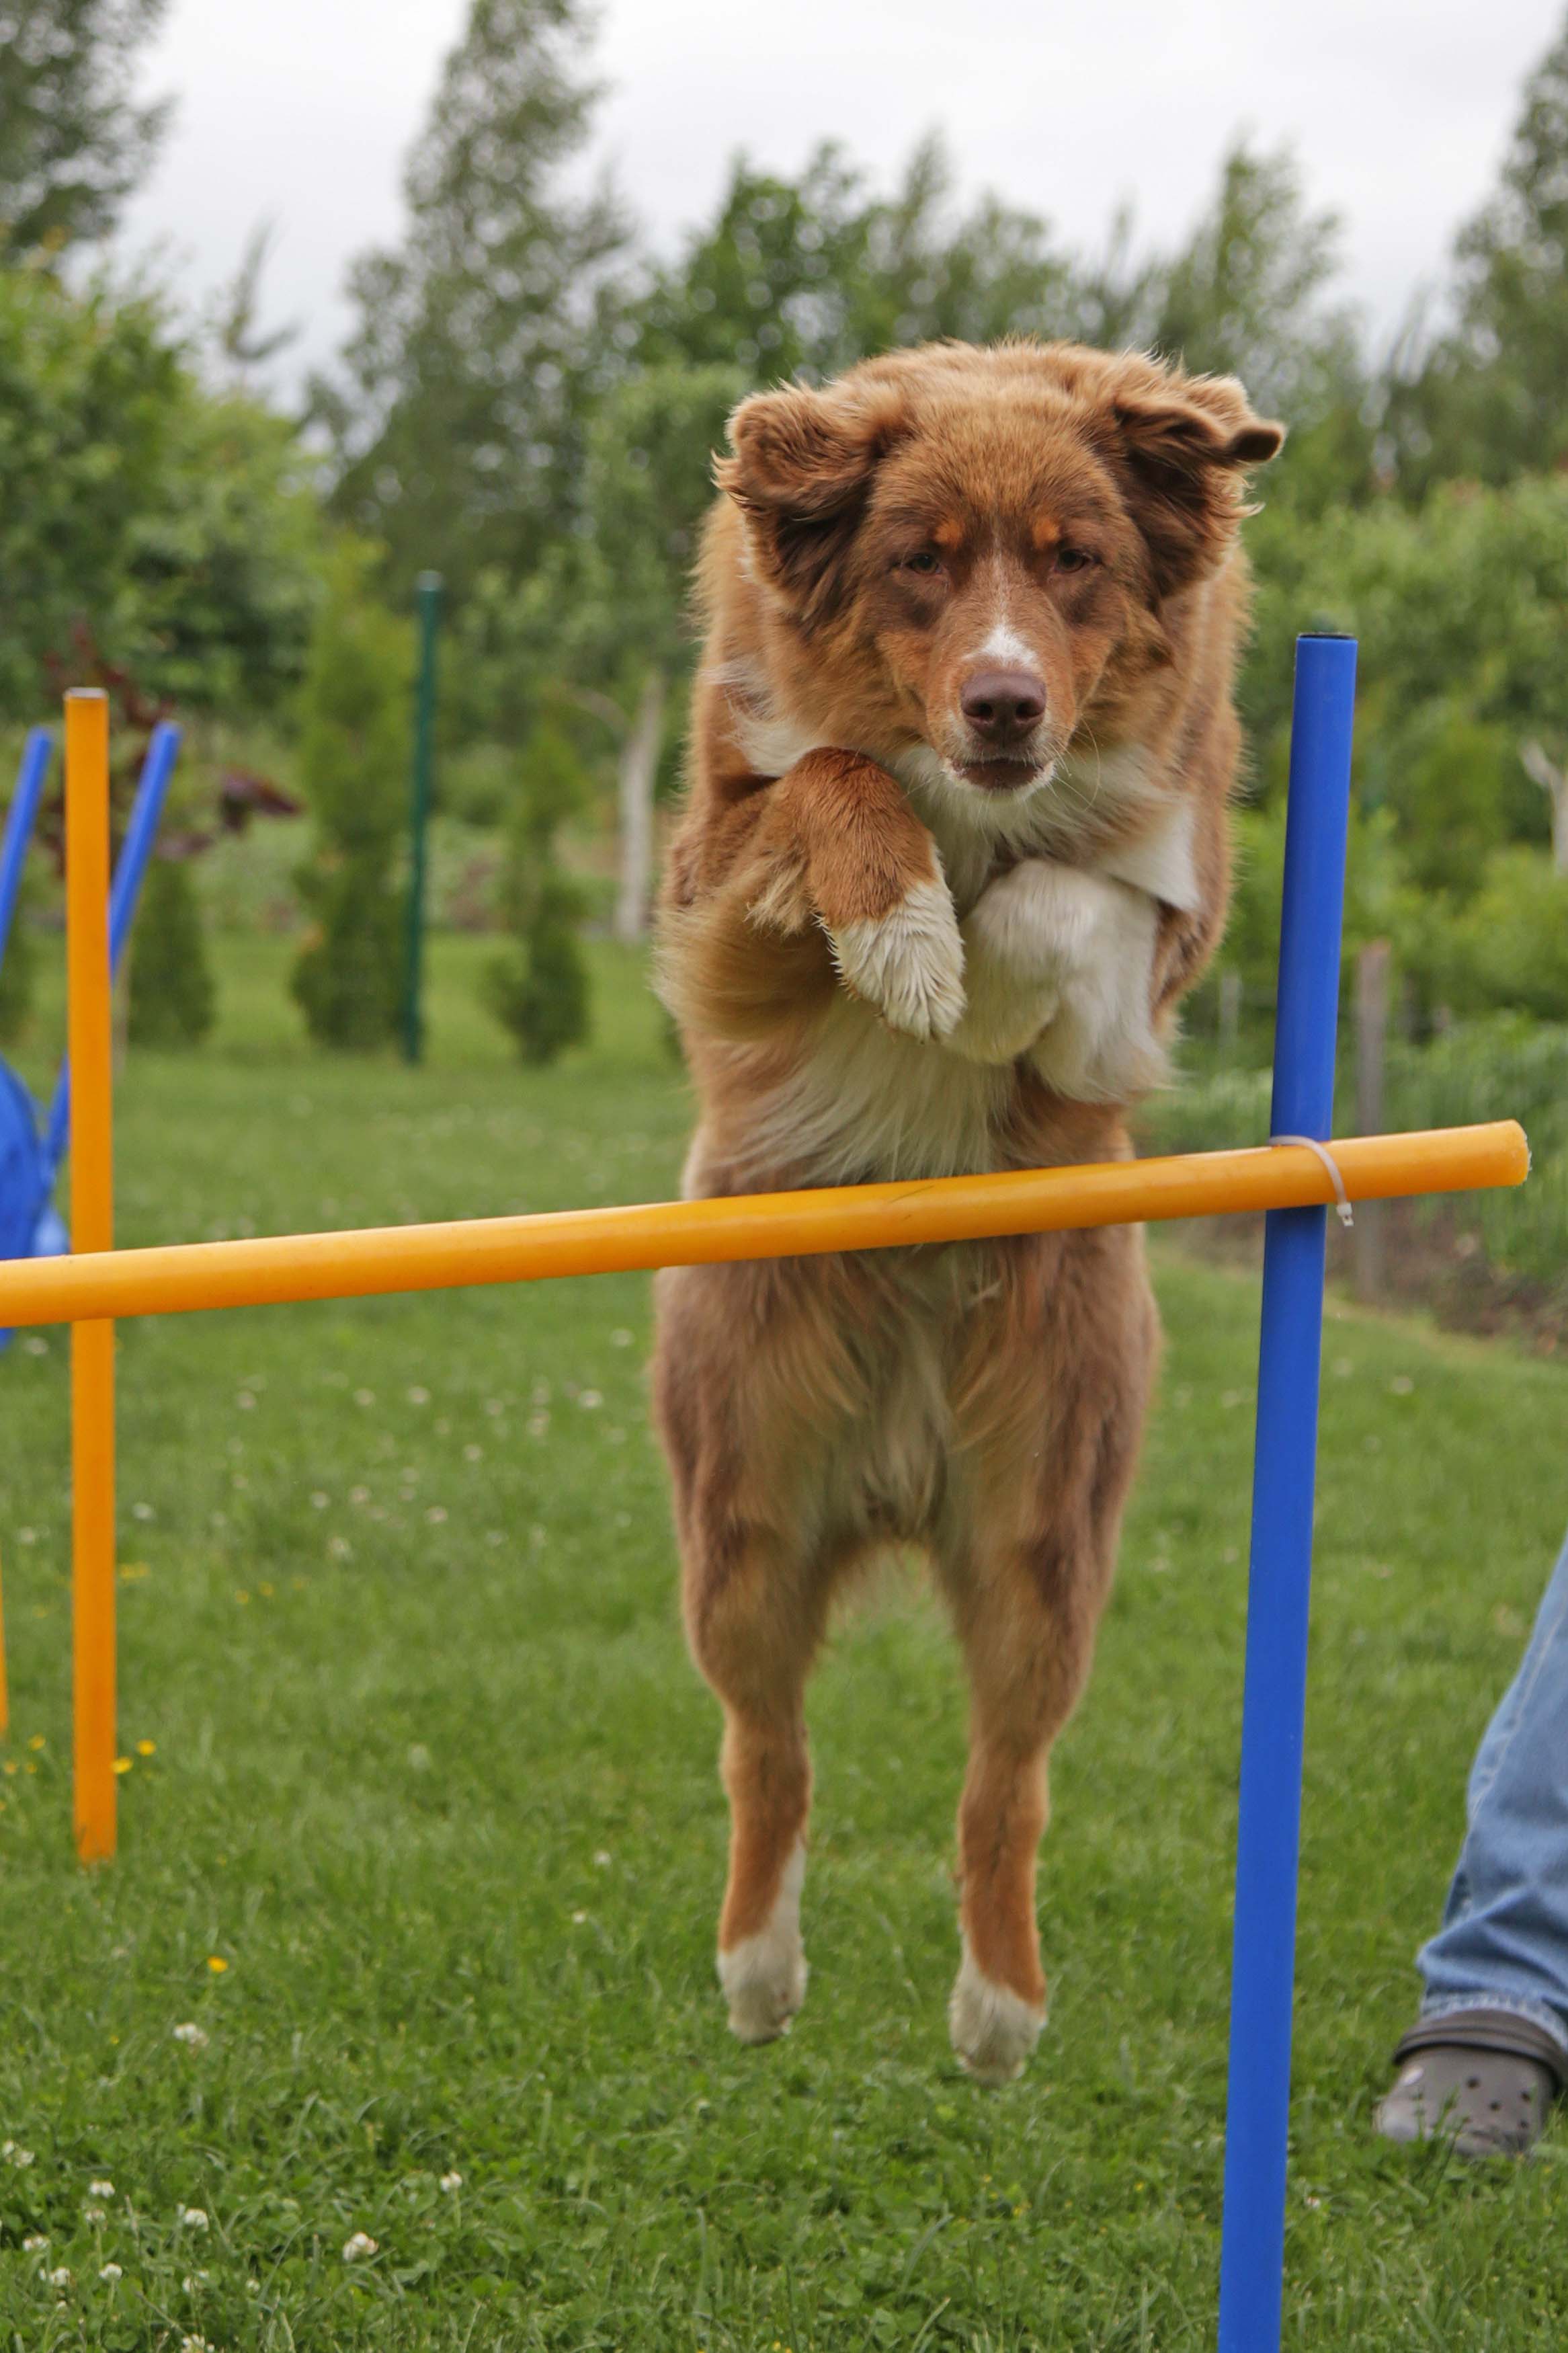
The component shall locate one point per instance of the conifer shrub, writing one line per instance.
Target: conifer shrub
(538, 987)
(173, 998)
(354, 767)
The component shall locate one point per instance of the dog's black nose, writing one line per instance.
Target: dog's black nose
(1004, 704)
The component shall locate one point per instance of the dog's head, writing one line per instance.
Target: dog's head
(979, 551)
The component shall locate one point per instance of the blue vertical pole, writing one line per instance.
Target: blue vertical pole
(146, 812)
(1252, 2254)
(36, 754)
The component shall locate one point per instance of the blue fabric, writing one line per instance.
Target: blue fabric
(1504, 1938)
(21, 1167)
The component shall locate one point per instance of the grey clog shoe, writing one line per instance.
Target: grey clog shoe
(1482, 2078)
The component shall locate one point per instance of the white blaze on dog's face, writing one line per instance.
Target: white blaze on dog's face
(972, 564)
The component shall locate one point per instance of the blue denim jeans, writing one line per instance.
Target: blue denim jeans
(1503, 1943)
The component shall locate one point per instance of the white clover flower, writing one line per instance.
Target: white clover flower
(60, 2277)
(101, 2189)
(194, 2345)
(418, 1397)
(189, 2031)
(320, 1501)
(193, 2217)
(601, 1861)
(358, 2247)
(109, 2271)
(35, 2244)
(621, 1338)
(193, 2281)
(435, 1514)
(15, 2156)
(450, 2181)
(589, 1401)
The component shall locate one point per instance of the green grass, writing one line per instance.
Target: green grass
(434, 1780)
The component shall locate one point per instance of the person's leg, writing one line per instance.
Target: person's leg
(1504, 1939)
(1490, 2049)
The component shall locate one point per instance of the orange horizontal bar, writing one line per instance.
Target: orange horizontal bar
(185, 1275)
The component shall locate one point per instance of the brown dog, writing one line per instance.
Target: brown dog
(955, 844)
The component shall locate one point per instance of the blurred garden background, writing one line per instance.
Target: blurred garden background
(527, 403)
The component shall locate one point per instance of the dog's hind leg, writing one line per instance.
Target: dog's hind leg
(754, 1616)
(1027, 1567)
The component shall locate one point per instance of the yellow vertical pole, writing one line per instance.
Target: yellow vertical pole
(88, 1035)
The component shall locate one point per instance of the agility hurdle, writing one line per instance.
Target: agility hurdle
(1293, 1177)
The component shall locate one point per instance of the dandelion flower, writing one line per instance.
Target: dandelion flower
(189, 2031)
(358, 2247)
(146, 1748)
(451, 2181)
(217, 1963)
(37, 1741)
(124, 1764)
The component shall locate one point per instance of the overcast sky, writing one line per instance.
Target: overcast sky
(302, 112)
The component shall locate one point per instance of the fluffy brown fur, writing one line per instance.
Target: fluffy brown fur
(955, 843)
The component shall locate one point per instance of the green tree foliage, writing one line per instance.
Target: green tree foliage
(174, 998)
(806, 277)
(354, 767)
(458, 417)
(73, 143)
(176, 524)
(1489, 398)
(538, 989)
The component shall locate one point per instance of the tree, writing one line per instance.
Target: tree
(176, 525)
(457, 420)
(73, 143)
(624, 648)
(539, 991)
(1489, 397)
(803, 278)
(354, 763)
(172, 997)
(1245, 296)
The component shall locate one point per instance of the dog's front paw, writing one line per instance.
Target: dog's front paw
(909, 963)
(993, 2029)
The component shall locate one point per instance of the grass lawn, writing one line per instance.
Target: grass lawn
(423, 1836)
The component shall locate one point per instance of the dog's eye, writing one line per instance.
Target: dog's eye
(1073, 559)
(924, 561)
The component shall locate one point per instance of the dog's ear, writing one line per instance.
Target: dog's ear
(1186, 448)
(801, 472)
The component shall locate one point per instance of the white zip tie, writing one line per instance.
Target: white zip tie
(1341, 1198)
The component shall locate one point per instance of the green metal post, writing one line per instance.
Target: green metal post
(427, 601)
